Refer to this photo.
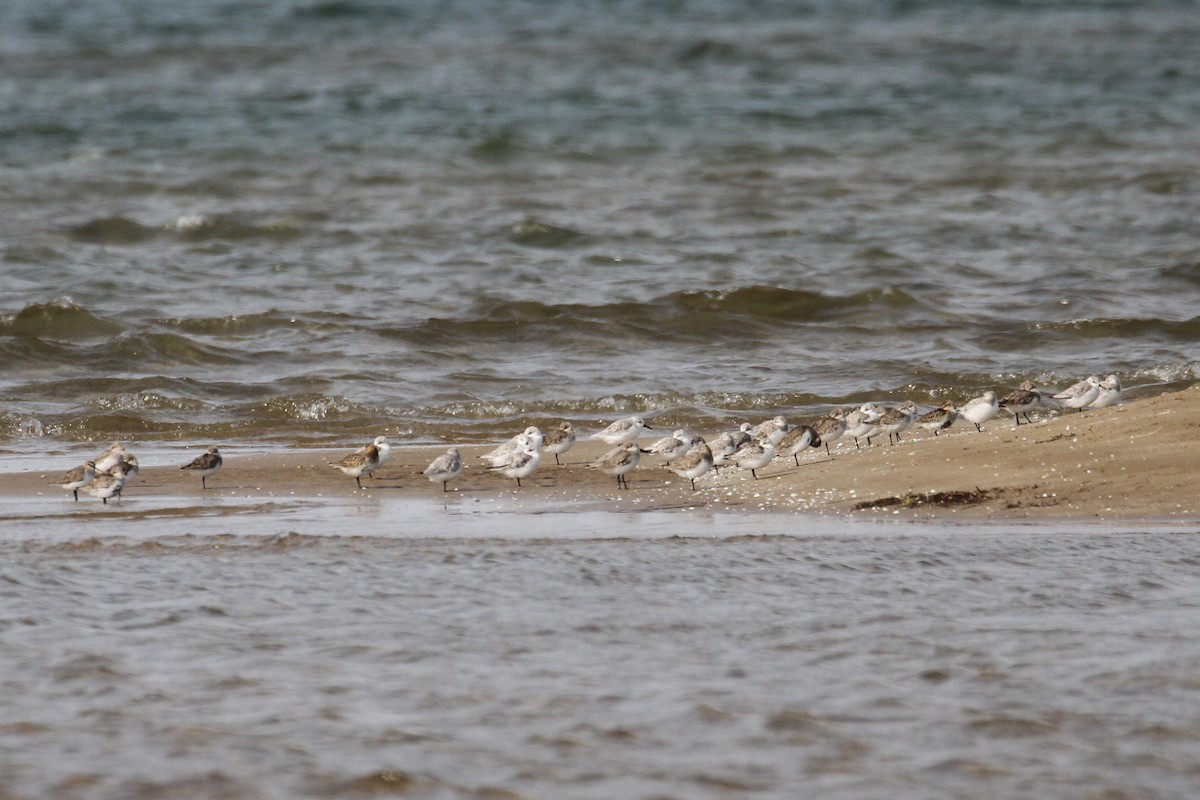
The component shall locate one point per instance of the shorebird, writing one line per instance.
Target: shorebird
(77, 478)
(445, 467)
(110, 457)
(359, 463)
(1021, 401)
(521, 462)
(861, 421)
(618, 461)
(895, 421)
(623, 430)
(797, 438)
(107, 484)
(1081, 394)
(939, 419)
(831, 427)
(772, 429)
(559, 441)
(503, 453)
(1110, 393)
(671, 447)
(980, 409)
(205, 465)
(754, 455)
(694, 463)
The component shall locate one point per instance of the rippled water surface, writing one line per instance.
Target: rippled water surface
(292, 219)
(599, 656)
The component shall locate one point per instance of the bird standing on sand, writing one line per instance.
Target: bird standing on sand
(1081, 394)
(205, 465)
(1021, 401)
(939, 419)
(830, 427)
(618, 461)
(797, 438)
(107, 484)
(559, 441)
(502, 454)
(671, 447)
(772, 429)
(895, 421)
(980, 409)
(1110, 393)
(522, 461)
(77, 478)
(694, 463)
(445, 467)
(754, 455)
(623, 430)
(359, 463)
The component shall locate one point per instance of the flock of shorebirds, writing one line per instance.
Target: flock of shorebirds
(750, 447)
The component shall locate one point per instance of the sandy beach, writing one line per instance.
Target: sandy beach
(1133, 461)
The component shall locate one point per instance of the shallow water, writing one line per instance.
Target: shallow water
(294, 220)
(447, 653)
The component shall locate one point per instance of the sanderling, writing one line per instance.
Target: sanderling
(502, 454)
(559, 441)
(980, 409)
(895, 421)
(445, 467)
(132, 468)
(110, 457)
(861, 421)
(773, 429)
(722, 448)
(360, 462)
(107, 484)
(798, 437)
(521, 462)
(205, 465)
(671, 447)
(939, 419)
(694, 463)
(831, 427)
(618, 461)
(1021, 401)
(77, 478)
(754, 455)
(623, 430)
(1110, 393)
(1081, 394)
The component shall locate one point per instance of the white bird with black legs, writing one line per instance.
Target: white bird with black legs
(980, 409)
(205, 465)
(1080, 395)
(619, 461)
(445, 467)
(77, 478)
(754, 455)
(694, 463)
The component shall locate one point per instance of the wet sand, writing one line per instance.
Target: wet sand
(1138, 460)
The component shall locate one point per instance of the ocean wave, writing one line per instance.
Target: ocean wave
(58, 320)
(1126, 328)
(119, 230)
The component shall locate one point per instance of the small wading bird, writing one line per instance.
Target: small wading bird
(445, 467)
(1020, 402)
(521, 462)
(359, 463)
(77, 478)
(980, 409)
(560, 441)
(1081, 394)
(205, 465)
(694, 462)
(107, 484)
(623, 430)
(618, 461)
